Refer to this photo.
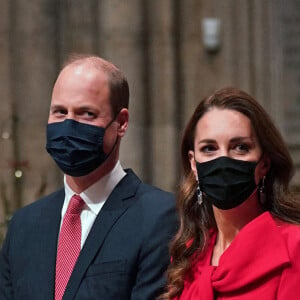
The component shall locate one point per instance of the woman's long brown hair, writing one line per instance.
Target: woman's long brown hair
(197, 221)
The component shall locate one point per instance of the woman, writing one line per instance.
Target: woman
(239, 236)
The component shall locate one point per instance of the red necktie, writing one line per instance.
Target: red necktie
(69, 245)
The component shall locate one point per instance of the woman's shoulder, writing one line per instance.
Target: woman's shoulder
(287, 227)
(291, 234)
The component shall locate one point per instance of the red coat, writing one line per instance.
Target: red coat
(262, 262)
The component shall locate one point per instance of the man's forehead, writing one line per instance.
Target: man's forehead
(84, 73)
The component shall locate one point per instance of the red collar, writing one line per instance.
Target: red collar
(258, 250)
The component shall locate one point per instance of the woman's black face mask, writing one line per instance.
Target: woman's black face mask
(76, 147)
(226, 182)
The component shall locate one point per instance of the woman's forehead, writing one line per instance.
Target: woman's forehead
(220, 122)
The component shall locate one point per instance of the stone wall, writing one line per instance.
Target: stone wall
(159, 46)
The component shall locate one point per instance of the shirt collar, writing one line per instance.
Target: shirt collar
(96, 194)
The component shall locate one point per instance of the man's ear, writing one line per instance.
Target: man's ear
(122, 120)
(193, 162)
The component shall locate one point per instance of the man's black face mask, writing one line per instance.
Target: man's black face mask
(76, 147)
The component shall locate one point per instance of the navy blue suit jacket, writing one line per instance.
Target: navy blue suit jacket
(124, 257)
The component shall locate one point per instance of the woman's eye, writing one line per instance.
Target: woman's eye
(242, 147)
(208, 148)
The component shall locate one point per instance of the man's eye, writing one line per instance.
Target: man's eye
(60, 112)
(89, 114)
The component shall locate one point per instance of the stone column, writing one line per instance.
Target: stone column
(33, 67)
(162, 74)
(6, 174)
(121, 40)
(285, 36)
(78, 27)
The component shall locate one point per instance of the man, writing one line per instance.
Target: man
(106, 234)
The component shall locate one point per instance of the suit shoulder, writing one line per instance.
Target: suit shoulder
(154, 195)
(40, 204)
(145, 192)
(156, 207)
(157, 211)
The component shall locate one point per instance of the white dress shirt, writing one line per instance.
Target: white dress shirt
(94, 198)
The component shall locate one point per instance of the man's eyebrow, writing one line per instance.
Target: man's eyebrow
(56, 106)
(87, 107)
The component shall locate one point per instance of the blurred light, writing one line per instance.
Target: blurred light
(18, 173)
(5, 135)
(211, 34)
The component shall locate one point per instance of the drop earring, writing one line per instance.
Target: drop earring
(199, 195)
(262, 192)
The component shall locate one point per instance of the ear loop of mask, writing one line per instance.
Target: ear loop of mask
(262, 179)
(113, 147)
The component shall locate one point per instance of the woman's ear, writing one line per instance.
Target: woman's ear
(193, 162)
(122, 119)
(263, 168)
(265, 164)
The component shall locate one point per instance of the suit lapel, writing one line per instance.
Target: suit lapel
(117, 203)
(45, 256)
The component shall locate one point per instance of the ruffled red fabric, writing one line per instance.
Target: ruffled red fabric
(263, 262)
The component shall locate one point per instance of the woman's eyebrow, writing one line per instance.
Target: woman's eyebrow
(206, 141)
(241, 138)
